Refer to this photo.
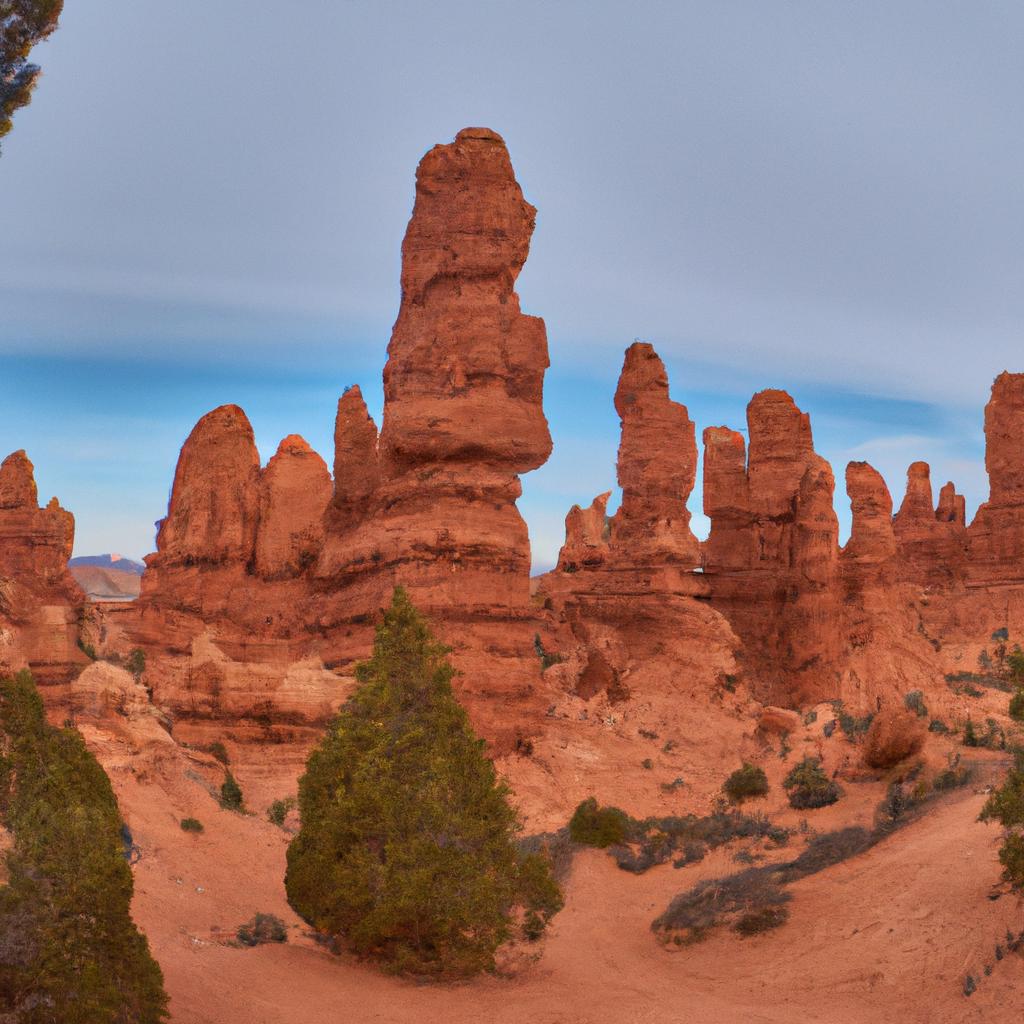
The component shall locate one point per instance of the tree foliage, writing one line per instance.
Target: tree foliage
(407, 850)
(809, 787)
(69, 950)
(23, 23)
(1006, 805)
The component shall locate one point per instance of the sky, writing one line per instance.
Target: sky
(205, 204)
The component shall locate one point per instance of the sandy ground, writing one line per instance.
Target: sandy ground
(885, 937)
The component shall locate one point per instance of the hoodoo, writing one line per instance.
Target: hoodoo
(40, 602)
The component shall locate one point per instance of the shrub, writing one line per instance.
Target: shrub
(746, 783)
(136, 663)
(262, 928)
(914, 701)
(761, 920)
(278, 810)
(69, 950)
(938, 726)
(219, 752)
(407, 851)
(191, 825)
(1015, 666)
(1011, 856)
(231, 794)
(851, 725)
(894, 735)
(591, 825)
(970, 735)
(809, 787)
(1017, 706)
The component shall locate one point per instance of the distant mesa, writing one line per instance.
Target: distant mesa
(111, 561)
(107, 577)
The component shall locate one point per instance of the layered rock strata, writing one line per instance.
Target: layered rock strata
(41, 605)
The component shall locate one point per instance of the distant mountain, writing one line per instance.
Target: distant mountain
(111, 561)
(107, 584)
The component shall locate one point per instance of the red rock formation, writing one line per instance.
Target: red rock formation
(213, 509)
(431, 504)
(952, 507)
(872, 538)
(657, 467)
(626, 589)
(40, 603)
(771, 559)
(586, 536)
(996, 536)
(726, 499)
(294, 490)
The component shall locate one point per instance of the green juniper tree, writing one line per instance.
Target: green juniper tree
(69, 950)
(23, 23)
(407, 851)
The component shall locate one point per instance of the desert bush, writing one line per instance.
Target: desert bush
(231, 794)
(746, 783)
(938, 726)
(219, 752)
(764, 919)
(710, 903)
(1011, 856)
(894, 735)
(70, 952)
(953, 776)
(261, 929)
(136, 662)
(278, 810)
(592, 825)
(1016, 709)
(914, 701)
(407, 850)
(191, 825)
(851, 725)
(809, 787)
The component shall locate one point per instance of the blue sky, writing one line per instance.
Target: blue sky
(205, 204)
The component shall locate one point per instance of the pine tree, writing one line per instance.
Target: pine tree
(407, 849)
(69, 950)
(23, 23)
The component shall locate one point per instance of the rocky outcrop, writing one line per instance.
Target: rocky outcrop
(294, 490)
(657, 467)
(996, 536)
(872, 542)
(40, 603)
(431, 504)
(587, 531)
(771, 559)
(212, 514)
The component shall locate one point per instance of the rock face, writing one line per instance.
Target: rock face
(772, 559)
(40, 603)
(996, 536)
(627, 600)
(431, 503)
(294, 491)
(657, 466)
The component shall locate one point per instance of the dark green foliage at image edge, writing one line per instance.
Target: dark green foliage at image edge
(69, 950)
(407, 851)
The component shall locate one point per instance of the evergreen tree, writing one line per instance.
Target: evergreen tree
(23, 23)
(407, 849)
(69, 950)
